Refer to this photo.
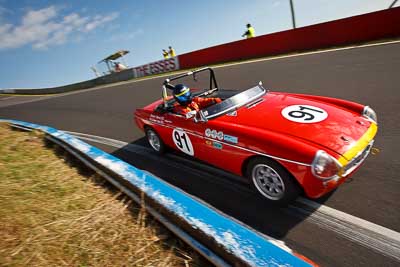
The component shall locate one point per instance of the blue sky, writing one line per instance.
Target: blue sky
(50, 43)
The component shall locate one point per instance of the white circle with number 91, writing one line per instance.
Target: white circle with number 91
(304, 113)
(182, 141)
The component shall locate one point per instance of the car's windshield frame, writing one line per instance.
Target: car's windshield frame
(233, 103)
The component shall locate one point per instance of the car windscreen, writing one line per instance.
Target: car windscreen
(234, 102)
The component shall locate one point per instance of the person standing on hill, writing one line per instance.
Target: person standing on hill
(250, 33)
(171, 52)
(165, 54)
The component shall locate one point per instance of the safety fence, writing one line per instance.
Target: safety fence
(216, 236)
(357, 29)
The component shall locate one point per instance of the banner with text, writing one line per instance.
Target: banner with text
(161, 66)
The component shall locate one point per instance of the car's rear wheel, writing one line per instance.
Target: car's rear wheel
(272, 181)
(155, 141)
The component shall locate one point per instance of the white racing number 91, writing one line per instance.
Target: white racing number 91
(182, 141)
(304, 113)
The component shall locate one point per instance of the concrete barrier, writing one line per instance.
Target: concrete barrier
(106, 79)
(157, 67)
(216, 236)
(53, 90)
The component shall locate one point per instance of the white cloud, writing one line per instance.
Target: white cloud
(98, 21)
(35, 17)
(5, 28)
(276, 4)
(75, 20)
(46, 27)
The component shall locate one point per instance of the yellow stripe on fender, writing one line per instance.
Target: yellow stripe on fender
(359, 145)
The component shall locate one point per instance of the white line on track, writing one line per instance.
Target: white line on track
(378, 238)
(365, 233)
(5, 98)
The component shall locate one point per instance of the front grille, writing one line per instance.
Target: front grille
(358, 159)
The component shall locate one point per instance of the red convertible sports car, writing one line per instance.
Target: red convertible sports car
(285, 144)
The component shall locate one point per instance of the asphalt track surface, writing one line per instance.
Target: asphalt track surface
(366, 75)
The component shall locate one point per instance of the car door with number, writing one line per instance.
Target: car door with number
(184, 135)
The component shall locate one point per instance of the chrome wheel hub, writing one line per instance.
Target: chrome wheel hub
(153, 140)
(268, 182)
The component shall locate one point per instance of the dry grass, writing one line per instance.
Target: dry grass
(51, 215)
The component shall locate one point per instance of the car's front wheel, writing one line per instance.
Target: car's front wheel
(155, 141)
(272, 180)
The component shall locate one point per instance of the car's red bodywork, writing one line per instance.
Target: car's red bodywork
(262, 130)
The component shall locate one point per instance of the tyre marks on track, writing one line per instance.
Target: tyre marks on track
(357, 230)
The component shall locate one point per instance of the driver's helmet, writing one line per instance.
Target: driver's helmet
(182, 94)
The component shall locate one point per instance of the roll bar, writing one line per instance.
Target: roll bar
(168, 85)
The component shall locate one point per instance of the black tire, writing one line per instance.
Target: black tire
(155, 141)
(272, 181)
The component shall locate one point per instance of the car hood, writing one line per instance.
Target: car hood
(338, 132)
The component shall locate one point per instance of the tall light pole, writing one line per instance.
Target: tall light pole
(293, 17)
(394, 2)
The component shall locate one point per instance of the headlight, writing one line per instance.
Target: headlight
(370, 114)
(325, 166)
